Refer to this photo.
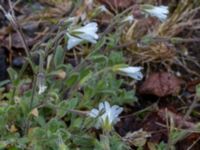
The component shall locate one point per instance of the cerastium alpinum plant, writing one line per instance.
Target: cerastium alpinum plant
(59, 110)
(79, 89)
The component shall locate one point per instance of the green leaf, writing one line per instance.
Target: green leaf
(72, 79)
(85, 142)
(98, 58)
(62, 146)
(116, 58)
(2, 83)
(88, 92)
(198, 90)
(116, 143)
(125, 97)
(40, 120)
(12, 74)
(161, 146)
(65, 106)
(3, 144)
(107, 92)
(59, 56)
(76, 123)
(85, 75)
(12, 113)
(54, 125)
(36, 134)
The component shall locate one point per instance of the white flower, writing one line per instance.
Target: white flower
(107, 115)
(133, 72)
(129, 19)
(41, 83)
(160, 12)
(85, 33)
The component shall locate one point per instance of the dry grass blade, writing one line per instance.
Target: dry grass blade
(182, 17)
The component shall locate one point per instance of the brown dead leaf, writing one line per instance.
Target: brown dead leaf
(137, 138)
(61, 74)
(13, 129)
(35, 112)
(161, 84)
(178, 119)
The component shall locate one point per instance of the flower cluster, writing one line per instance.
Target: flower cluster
(106, 115)
(85, 33)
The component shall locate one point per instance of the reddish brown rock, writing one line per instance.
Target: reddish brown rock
(161, 84)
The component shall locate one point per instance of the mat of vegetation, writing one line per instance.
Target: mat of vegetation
(99, 74)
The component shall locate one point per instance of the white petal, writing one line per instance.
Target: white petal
(42, 89)
(98, 124)
(73, 41)
(160, 12)
(101, 106)
(130, 69)
(91, 34)
(85, 33)
(41, 82)
(87, 38)
(133, 72)
(94, 113)
(106, 106)
(136, 76)
(116, 110)
(89, 28)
